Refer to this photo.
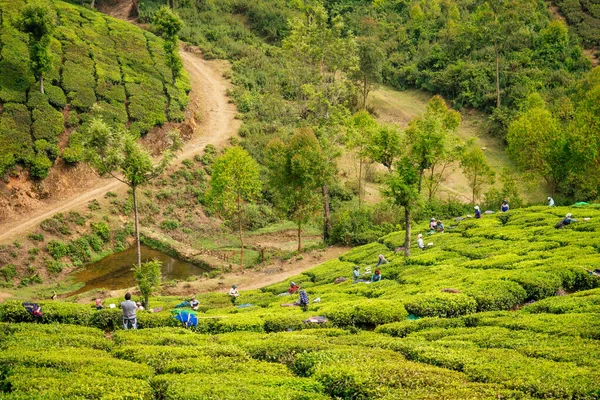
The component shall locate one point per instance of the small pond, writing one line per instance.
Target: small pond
(114, 272)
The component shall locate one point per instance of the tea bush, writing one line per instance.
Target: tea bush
(93, 60)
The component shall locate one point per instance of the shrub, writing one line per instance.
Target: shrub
(54, 266)
(57, 249)
(102, 230)
(441, 305)
(497, 295)
(169, 224)
(8, 271)
(36, 237)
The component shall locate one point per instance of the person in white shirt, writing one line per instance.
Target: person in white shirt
(420, 242)
(233, 293)
(550, 202)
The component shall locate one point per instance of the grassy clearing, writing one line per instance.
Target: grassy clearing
(399, 107)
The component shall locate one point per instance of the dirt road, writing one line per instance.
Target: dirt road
(208, 100)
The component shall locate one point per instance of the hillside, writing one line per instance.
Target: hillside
(100, 67)
(521, 322)
(584, 17)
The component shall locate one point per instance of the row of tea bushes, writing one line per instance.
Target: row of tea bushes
(101, 67)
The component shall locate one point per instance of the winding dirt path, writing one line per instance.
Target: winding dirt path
(208, 101)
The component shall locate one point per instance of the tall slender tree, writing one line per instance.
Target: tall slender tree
(38, 19)
(402, 189)
(295, 174)
(169, 24)
(234, 183)
(116, 153)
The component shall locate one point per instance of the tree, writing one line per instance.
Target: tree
(148, 277)
(295, 175)
(235, 181)
(38, 20)
(430, 136)
(477, 171)
(385, 146)
(117, 153)
(371, 58)
(535, 144)
(168, 25)
(402, 188)
(361, 129)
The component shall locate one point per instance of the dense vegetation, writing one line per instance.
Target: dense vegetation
(99, 67)
(584, 16)
(472, 342)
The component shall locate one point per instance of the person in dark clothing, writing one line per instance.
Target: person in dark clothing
(504, 207)
(567, 221)
(303, 300)
(477, 212)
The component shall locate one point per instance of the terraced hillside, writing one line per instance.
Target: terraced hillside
(100, 67)
(521, 321)
(584, 16)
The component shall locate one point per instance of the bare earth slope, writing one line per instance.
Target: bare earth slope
(208, 100)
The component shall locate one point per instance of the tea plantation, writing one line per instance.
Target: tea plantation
(521, 321)
(101, 67)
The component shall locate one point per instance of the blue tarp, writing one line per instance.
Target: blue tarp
(187, 318)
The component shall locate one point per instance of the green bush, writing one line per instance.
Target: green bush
(102, 230)
(441, 305)
(497, 295)
(57, 249)
(56, 96)
(8, 271)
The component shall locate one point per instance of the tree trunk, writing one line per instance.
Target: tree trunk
(299, 237)
(137, 226)
(136, 7)
(497, 74)
(147, 301)
(239, 213)
(421, 172)
(360, 162)
(42, 83)
(407, 236)
(474, 188)
(92, 4)
(172, 4)
(365, 92)
(326, 214)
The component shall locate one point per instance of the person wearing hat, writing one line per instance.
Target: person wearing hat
(139, 306)
(233, 294)
(293, 288)
(550, 202)
(440, 226)
(194, 303)
(381, 260)
(477, 212)
(504, 207)
(568, 219)
(420, 242)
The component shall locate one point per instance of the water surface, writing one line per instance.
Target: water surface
(114, 272)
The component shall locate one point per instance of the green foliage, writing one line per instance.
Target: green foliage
(8, 271)
(441, 305)
(86, 60)
(102, 230)
(148, 277)
(57, 249)
(297, 172)
(36, 237)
